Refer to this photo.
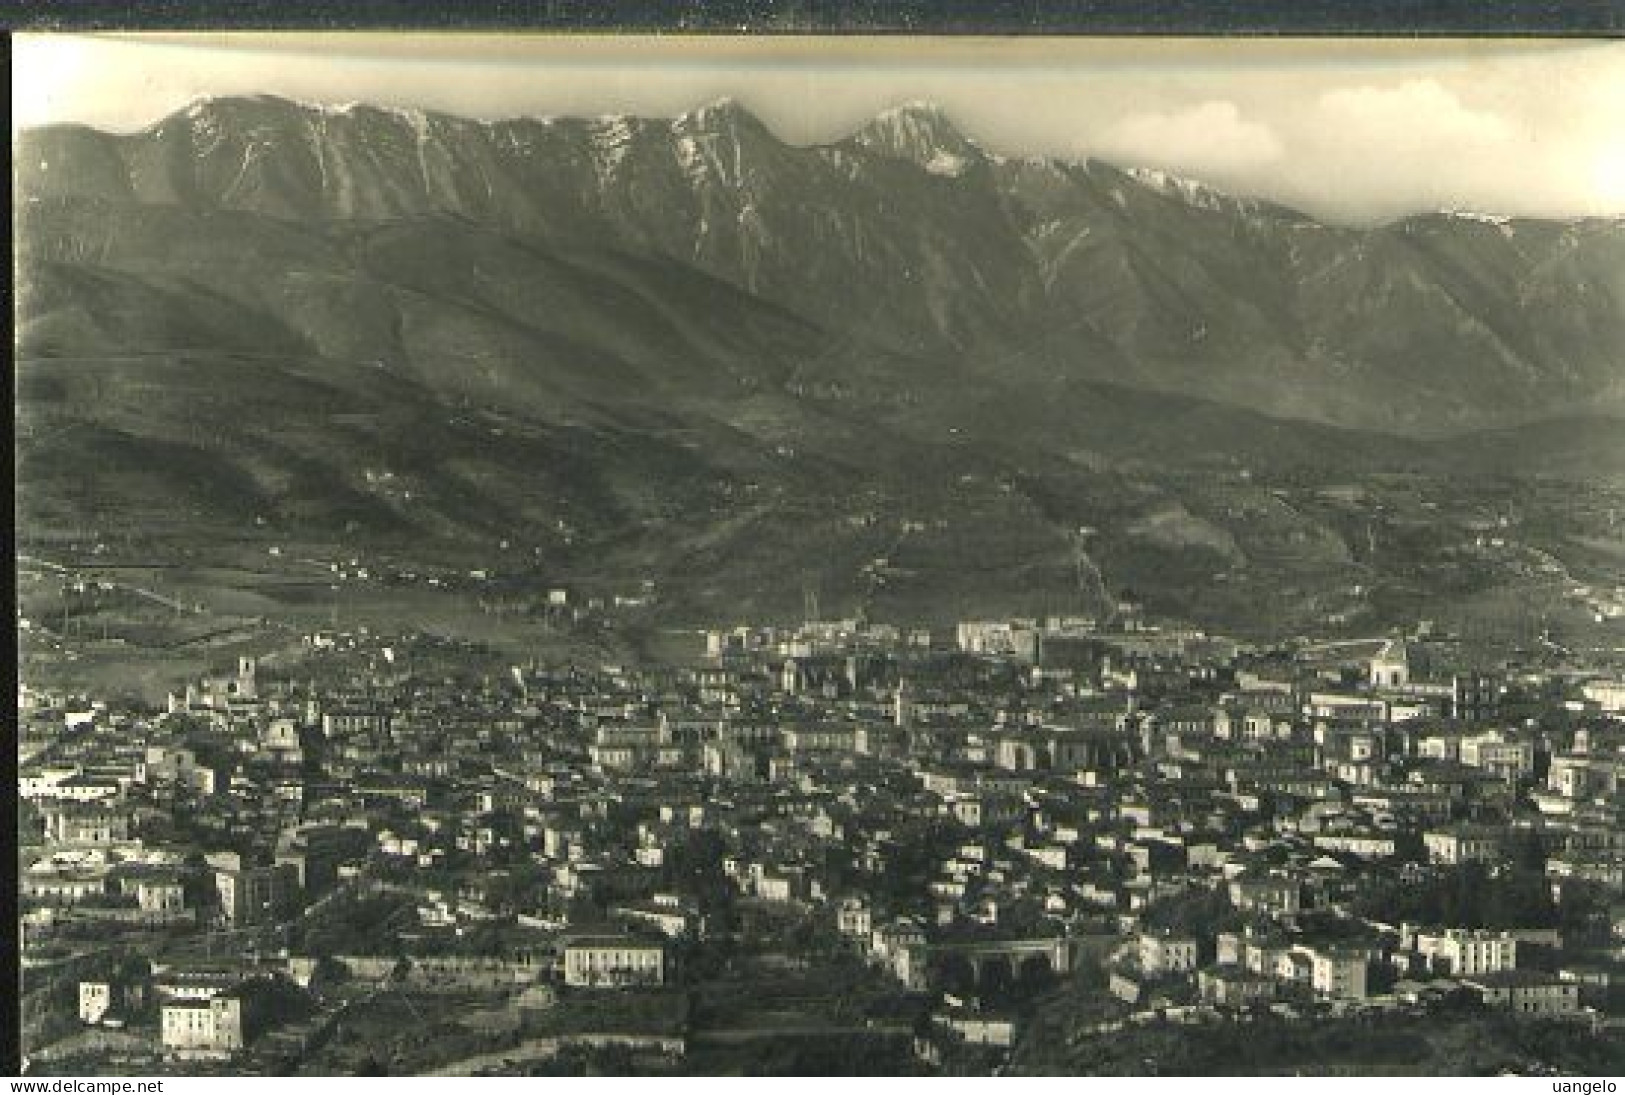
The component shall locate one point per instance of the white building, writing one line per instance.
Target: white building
(1464, 952)
(1462, 845)
(96, 999)
(613, 962)
(854, 918)
(1167, 954)
(1338, 974)
(1496, 752)
(1390, 667)
(204, 1027)
(1609, 695)
(1578, 775)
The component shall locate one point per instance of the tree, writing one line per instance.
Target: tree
(1526, 851)
(30, 825)
(1201, 912)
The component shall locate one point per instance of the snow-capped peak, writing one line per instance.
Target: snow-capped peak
(1474, 215)
(722, 114)
(1190, 191)
(920, 131)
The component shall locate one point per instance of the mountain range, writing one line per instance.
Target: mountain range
(894, 366)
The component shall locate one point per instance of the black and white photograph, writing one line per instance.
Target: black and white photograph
(666, 556)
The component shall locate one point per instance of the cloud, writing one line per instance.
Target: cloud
(46, 70)
(1375, 151)
(1608, 178)
(1351, 130)
(1210, 137)
(1417, 114)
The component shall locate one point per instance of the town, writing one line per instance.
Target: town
(846, 846)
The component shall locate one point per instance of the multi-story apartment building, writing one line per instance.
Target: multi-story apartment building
(612, 961)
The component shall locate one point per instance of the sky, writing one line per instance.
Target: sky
(1353, 130)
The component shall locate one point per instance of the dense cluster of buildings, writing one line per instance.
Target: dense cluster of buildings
(1212, 826)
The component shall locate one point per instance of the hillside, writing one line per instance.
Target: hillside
(911, 236)
(898, 369)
